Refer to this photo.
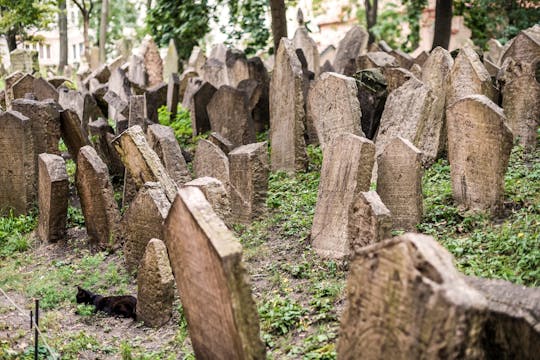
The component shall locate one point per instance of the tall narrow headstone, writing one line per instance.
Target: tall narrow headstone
(137, 111)
(73, 135)
(287, 111)
(100, 210)
(302, 40)
(170, 65)
(333, 107)
(197, 59)
(248, 173)
(137, 72)
(346, 171)
(156, 97)
(479, 146)
(399, 182)
(155, 286)
(211, 161)
(406, 300)
(152, 61)
(17, 164)
(173, 95)
(53, 197)
(198, 108)
(213, 284)
(350, 47)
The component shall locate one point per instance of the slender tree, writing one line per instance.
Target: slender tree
(86, 7)
(103, 30)
(63, 36)
(279, 21)
(371, 17)
(443, 24)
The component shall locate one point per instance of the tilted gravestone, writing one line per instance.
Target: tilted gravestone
(155, 286)
(230, 116)
(101, 74)
(142, 162)
(287, 113)
(156, 97)
(162, 140)
(248, 174)
(479, 146)
(211, 161)
(173, 95)
(399, 182)
(213, 284)
(101, 135)
(524, 48)
(214, 72)
(224, 144)
(10, 80)
(43, 90)
(302, 40)
(216, 194)
(371, 95)
(403, 59)
(184, 81)
(468, 77)
(395, 77)
(346, 171)
(333, 107)
(370, 221)
(53, 192)
(152, 61)
(377, 59)
(17, 164)
(237, 67)
(83, 104)
(143, 221)
(349, 48)
(261, 112)
(198, 108)
(73, 135)
(406, 300)
(100, 210)
(196, 59)
(137, 111)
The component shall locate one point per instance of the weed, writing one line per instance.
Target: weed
(13, 230)
(279, 315)
(75, 217)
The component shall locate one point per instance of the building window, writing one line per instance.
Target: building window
(81, 47)
(74, 51)
(48, 51)
(73, 17)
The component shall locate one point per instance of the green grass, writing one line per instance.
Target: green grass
(14, 233)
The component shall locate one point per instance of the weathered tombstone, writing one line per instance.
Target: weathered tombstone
(213, 284)
(117, 106)
(406, 300)
(119, 84)
(211, 161)
(248, 173)
(479, 146)
(116, 63)
(156, 97)
(230, 115)
(17, 164)
(26, 61)
(349, 48)
(224, 144)
(416, 70)
(521, 100)
(44, 90)
(302, 40)
(101, 74)
(399, 182)
(197, 59)
(333, 107)
(421, 58)
(98, 92)
(184, 81)
(492, 69)
(370, 221)
(346, 171)
(137, 111)
(287, 112)
(525, 47)
(375, 60)
(193, 83)
(219, 52)
(494, 51)
(162, 140)
(395, 77)
(83, 104)
(152, 61)
(143, 221)
(170, 66)
(142, 162)
(155, 286)
(216, 194)
(101, 135)
(372, 98)
(173, 95)
(214, 72)
(468, 77)
(410, 113)
(237, 67)
(73, 135)
(261, 112)
(53, 192)
(328, 54)
(57, 81)
(21, 87)
(403, 59)
(45, 123)
(137, 72)
(101, 214)
(198, 108)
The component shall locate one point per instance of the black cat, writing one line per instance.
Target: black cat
(124, 305)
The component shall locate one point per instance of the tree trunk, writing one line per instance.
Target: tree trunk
(63, 36)
(371, 17)
(11, 38)
(279, 21)
(443, 24)
(103, 30)
(86, 25)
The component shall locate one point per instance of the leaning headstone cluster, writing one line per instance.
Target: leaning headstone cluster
(380, 116)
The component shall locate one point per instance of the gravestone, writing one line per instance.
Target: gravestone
(224, 144)
(346, 171)
(142, 162)
(230, 116)
(17, 164)
(198, 108)
(370, 221)
(21, 87)
(101, 74)
(372, 98)
(162, 140)
(212, 282)
(214, 72)
(399, 182)
(45, 123)
(117, 107)
(248, 173)
(143, 221)
(119, 84)
(237, 67)
(26, 61)
(53, 192)
(406, 300)
(98, 92)
(479, 146)
(287, 112)
(410, 112)
(100, 210)
(377, 59)
(403, 59)
(138, 111)
(261, 112)
(494, 51)
(468, 77)
(73, 135)
(333, 107)
(396, 77)
(173, 95)
(349, 48)
(216, 194)
(184, 81)
(194, 83)
(101, 135)
(137, 72)
(44, 90)
(83, 104)
(421, 58)
(156, 97)
(525, 47)
(211, 161)
(155, 286)
(328, 54)
(170, 65)
(302, 40)
(152, 61)
(197, 59)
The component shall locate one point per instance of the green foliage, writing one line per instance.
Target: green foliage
(184, 21)
(413, 10)
(389, 26)
(248, 23)
(18, 16)
(13, 233)
(181, 124)
(76, 344)
(85, 310)
(122, 14)
(280, 314)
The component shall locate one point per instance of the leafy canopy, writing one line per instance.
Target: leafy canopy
(19, 16)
